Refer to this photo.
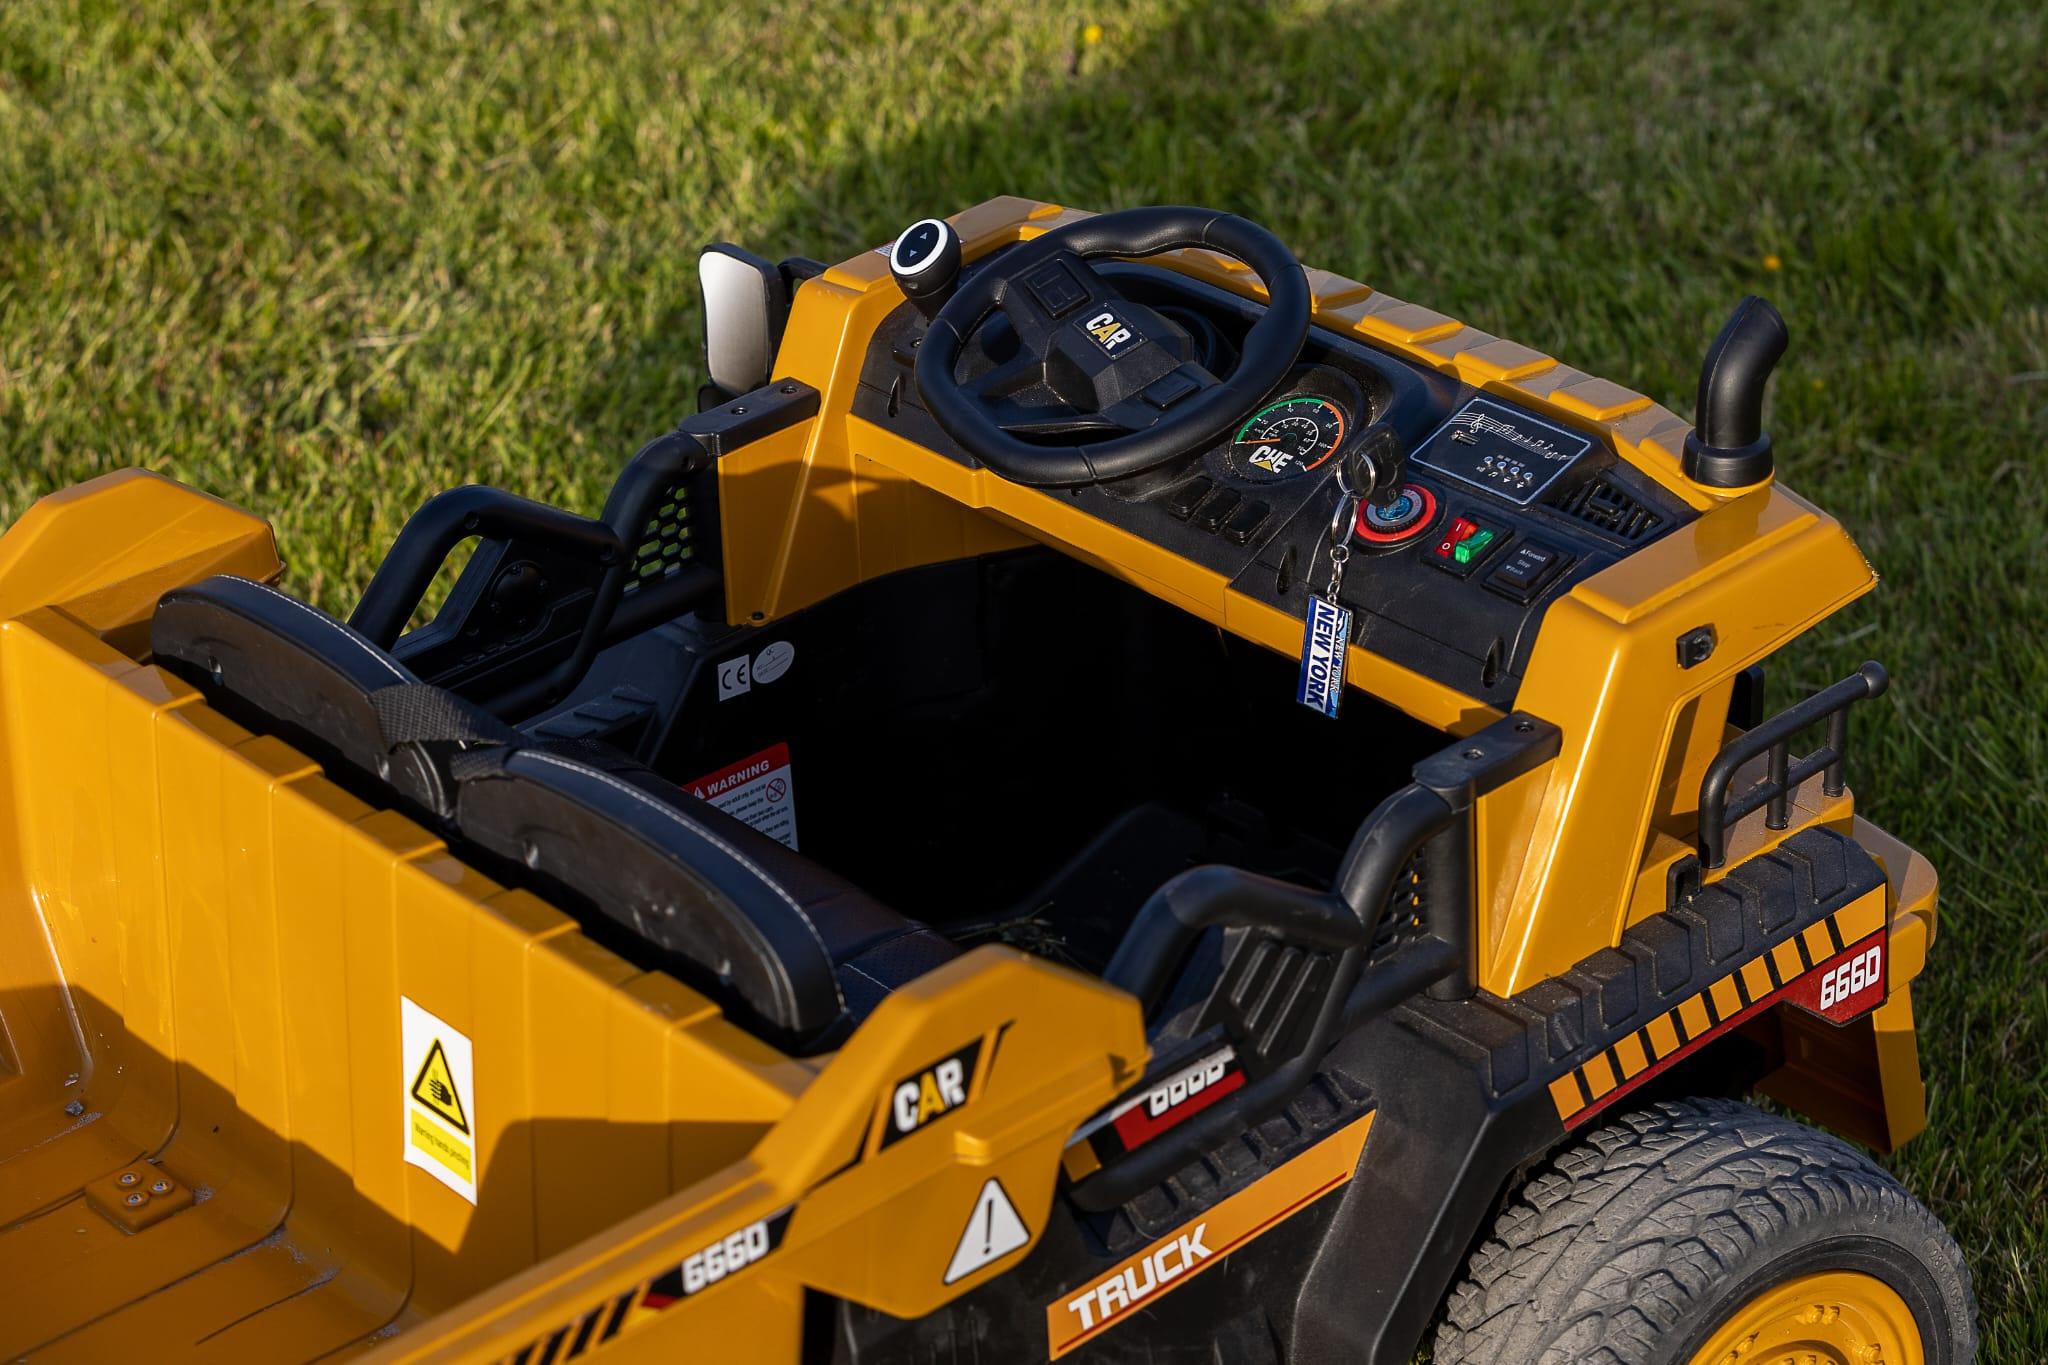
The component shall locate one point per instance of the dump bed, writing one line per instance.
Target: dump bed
(281, 1079)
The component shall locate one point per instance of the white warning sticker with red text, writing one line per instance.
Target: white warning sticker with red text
(756, 791)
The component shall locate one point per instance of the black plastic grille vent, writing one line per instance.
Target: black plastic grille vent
(665, 545)
(1607, 506)
(1403, 919)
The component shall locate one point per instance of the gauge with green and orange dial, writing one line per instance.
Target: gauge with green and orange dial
(1286, 439)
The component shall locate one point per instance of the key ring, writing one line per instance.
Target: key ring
(1367, 467)
(1342, 519)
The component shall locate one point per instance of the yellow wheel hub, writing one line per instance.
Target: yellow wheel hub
(1837, 1318)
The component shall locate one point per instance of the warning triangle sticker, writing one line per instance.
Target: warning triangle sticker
(993, 1231)
(434, 1087)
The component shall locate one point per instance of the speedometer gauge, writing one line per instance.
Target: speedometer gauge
(1286, 439)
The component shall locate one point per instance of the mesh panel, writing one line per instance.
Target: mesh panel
(665, 546)
(1403, 917)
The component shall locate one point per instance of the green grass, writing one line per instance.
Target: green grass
(324, 259)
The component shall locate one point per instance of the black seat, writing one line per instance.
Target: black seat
(808, 953)
(802, 953)
(273, 663)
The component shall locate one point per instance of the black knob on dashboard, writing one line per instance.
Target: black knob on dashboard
(926, 263)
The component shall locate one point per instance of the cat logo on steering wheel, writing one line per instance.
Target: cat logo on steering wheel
(1111, 333)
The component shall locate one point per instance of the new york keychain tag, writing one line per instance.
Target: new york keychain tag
(1321, 686)
(1326, 635)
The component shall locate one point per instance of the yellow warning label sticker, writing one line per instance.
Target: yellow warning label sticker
(429, 1137)
(440, 1098)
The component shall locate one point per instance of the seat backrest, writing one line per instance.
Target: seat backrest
(276, 664)
(800, 952)
(805, 952)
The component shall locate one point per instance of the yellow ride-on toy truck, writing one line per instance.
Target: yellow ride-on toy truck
(1107, 796)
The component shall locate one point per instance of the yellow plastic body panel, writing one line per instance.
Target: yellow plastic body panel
(881, 1232)
(1864, 1079)
(203, 948)
(108, 548)
(1560, 852)
(1760, 570)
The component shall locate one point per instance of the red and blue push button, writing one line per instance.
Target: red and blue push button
(1401, 520)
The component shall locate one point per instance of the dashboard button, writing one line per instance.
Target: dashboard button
(1465, 543)
(1169, 389)
(1218, 505)
(1408, 516)
(1180, 503)
(1245, 522)
(1056, 289)
(1526, 571)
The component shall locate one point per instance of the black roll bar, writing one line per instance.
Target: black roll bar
(445, 521)
(615, 548)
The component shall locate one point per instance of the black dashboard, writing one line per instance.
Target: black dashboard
(1501, 510)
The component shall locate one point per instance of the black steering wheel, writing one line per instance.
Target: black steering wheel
(1110, 359)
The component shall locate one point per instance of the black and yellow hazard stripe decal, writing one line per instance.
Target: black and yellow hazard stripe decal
(1634, 1057)
(597, 1326)
(655, 1294)
(594, 1328)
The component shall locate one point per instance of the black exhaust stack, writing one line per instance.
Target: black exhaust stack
(1728, 447)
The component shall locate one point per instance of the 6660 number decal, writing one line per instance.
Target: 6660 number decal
(727, 1256)
(1847, 985)
(1852, 978)
(720, 1259)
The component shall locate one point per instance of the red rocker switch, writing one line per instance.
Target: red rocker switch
(1465, 545)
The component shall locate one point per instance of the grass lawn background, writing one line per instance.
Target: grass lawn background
(325, 259)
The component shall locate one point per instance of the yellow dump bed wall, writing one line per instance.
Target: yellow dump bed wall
(203, 944)
(204, 947)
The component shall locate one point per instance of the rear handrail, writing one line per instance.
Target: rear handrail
(608, 549)
(507, 520)
(629, 562)
(1782, 776)
(445, 521)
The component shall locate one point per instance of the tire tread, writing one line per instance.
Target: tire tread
(1624, 1240)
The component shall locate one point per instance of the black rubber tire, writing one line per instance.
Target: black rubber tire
(1634, 1243)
